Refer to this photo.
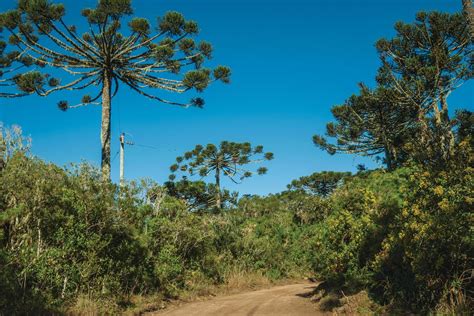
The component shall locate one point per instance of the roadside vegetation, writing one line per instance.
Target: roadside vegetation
(397, 239)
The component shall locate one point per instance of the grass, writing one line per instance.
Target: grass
(335, 300)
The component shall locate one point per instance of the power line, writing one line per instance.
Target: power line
(115, 155)
(147, 146)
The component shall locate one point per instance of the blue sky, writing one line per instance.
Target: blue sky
(291, 61)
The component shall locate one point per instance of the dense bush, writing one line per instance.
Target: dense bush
(62, 233)
(405, 235)
(65, 234)
(427, 259)
(352, 233)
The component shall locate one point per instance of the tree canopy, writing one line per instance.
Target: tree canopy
(199, 195)
(229, 159)
(425, 62)
(406, 115)
(116, 50)
(319, 183)
(372, 123)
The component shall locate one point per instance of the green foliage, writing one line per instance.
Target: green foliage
(406, 117)
(139, 25)
(349, 237)
(64, 237)
(106, 56)
(428, 253)
(425, 62)
(66, 234)
(405, 235)
(319, 183)
(198, 195)
(465, 125)
(29, 82)
(38, 20)
(373, 123)
(12, 141)
(198, 79)
(229, 159)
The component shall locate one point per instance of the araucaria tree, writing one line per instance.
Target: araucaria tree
(319, 183)
(102, 58)
(373, 123)
(425, 62)
(229, 159)
(407, 115)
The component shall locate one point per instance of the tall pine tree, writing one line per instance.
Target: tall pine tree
(105, 57)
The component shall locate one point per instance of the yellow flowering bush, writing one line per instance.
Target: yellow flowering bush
(430, 245)
(352, 234)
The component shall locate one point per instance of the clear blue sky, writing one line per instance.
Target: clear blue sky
(291, 61)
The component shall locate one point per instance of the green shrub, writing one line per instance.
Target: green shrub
(351, 235)
(428, 254)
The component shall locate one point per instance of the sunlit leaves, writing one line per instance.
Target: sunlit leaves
(222, 73)
(115, 8)
(10, 19)
(230, 159)
(268, 156)
(108, 8)
(371, 123)
(29, 82)
(206, 49)
(191, 27)
(187, 45)
(140, 26)
(163, 53)
(197, 79)
(174, 167)
(172, 23)
(140, 59)
(319, 183)
(41, 11)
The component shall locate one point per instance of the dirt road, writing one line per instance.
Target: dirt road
(280, 300)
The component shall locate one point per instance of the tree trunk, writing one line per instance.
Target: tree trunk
(388, 158)
(105, 130)
(447, 128)
(3, 149)
(218, 189)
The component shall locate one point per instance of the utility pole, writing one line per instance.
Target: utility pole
(122, 156)
(122, 145)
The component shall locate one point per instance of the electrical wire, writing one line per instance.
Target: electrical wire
(146, 146)
(115, 155)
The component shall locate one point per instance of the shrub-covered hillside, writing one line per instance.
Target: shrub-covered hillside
(400, 235)
(66, 236)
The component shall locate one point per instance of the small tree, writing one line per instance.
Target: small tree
(12, 141)
(229, 159)
(319, 183)
(103, 57)
(199, 195)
